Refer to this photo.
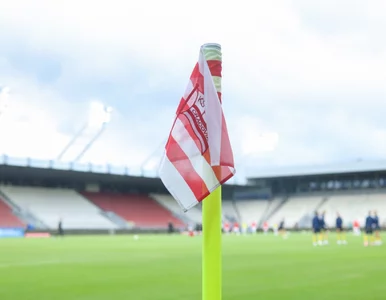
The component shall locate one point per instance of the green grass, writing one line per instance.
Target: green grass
(169, 268)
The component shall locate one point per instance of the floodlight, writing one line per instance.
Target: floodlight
(99, 114)
(98, 118)
(108, 111)
(149, 162)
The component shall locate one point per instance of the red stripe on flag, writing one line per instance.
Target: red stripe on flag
(197, 78)
(183, 102)
(215, 67)
(189, 129)
(193, 136)
(226, 156)
(219, 96)
(181, 106)
(198, 134)
(183, 165)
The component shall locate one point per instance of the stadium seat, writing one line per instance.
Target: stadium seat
(354, 206)
(7, 218)
(252, 210)
(295, 208)
(52, 204)
(228, 211)
(194, 215)
(141, 210)
(167, 201)
(274, 204)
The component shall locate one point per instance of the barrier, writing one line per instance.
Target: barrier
(11, 232)
(37, 235)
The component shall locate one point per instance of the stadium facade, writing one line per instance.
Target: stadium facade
(35, 196)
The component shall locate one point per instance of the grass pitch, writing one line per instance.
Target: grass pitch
(169, 268)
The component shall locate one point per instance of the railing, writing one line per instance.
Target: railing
(71, 166)
(82, 167)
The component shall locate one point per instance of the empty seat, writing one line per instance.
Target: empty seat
(142, 210)
(52, 204)
(7, 218)
(295, 208)
(252, 210)
(194, 214)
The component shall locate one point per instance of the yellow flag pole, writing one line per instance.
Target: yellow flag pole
(211, 247)
(212, 219)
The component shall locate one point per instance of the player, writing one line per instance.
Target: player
(191, 229)
(316, 230)
(227, 228)
(60, 228)
(244, 228)
(236, 228)
(253, 227)
(356, 227)
(170, 227)
(198, 229)
(369, 222)
(323, 228)
(275, 229)
(377, 229)
(340, 231)
(265, 227)
(281, 229)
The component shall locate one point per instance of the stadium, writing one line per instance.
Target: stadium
(97, 201)
(116, 225)
(213, 150)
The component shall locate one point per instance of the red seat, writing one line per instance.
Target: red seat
(142, 210)
(7, 218)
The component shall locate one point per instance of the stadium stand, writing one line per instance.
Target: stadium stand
(7, 218)
(52, 204)
(353, 206)
(168, 202)
(230, 211)
(194, 215)
(295, 208)
(141, 210)
(252, 210)
(350, 206)
(273, 206)
(377, 202)
(140, 202)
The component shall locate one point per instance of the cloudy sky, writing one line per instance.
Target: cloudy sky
(304, 82)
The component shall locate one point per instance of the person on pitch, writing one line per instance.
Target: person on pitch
(282, 231)
(323, 228)
(316, 234)
(369, 223)
(341, 236)
(377, 229)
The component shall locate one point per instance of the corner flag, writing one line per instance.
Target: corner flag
(198, 156)
(198, 159)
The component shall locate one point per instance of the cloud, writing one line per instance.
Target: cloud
(312, 72)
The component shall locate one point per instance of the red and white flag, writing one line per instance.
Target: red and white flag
(198, 156)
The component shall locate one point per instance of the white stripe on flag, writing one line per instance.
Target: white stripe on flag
(176, 185)
(213, 115)
(199, 163)
(188, 90)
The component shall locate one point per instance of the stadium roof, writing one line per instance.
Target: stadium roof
(342, 168)
(35, 171)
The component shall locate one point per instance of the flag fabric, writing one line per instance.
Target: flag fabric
(198, 156)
